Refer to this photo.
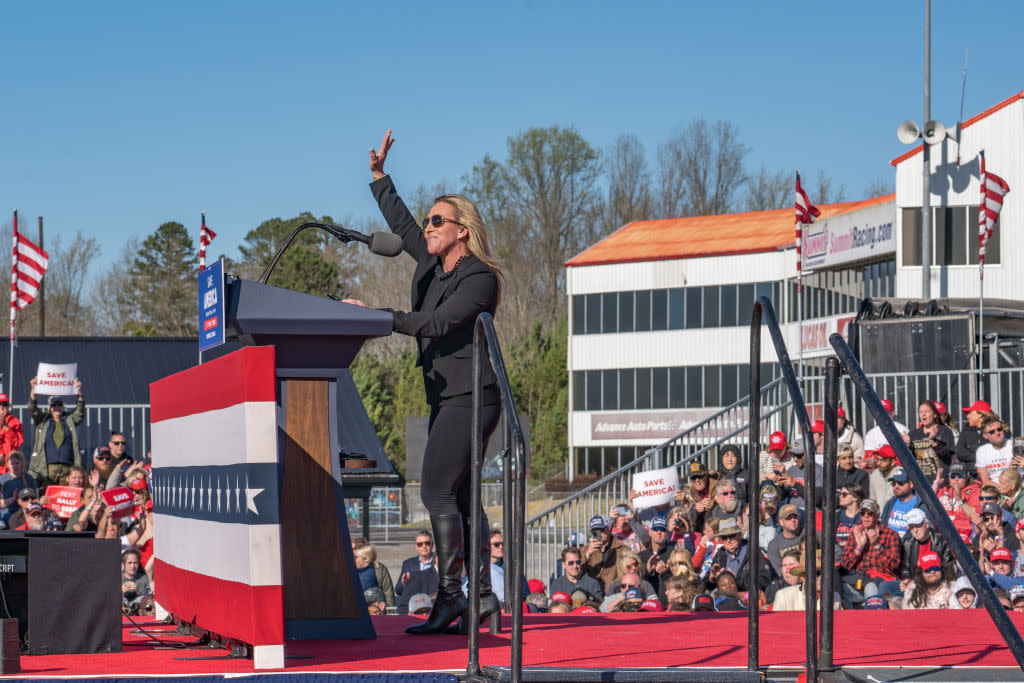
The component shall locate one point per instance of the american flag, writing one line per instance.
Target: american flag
(993, 188)
(805, 215)
(205, 237)
(28, 264)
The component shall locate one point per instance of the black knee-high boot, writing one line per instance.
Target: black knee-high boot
(489, 603)
(450, 603)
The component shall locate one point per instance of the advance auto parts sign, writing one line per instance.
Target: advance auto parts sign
(645, 425)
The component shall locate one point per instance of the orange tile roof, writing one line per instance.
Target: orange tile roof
(734, 233)
(968, 123)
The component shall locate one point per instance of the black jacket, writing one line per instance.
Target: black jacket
(911, 550)
(764, 574)
(967, 446)
(444, 327)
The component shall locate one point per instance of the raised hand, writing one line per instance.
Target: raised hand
(378, 156)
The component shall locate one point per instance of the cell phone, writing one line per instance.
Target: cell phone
(595, 534)
(1018, 445)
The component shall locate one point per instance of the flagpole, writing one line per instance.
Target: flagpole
(14, 294)
(202, 264)
(981, 331)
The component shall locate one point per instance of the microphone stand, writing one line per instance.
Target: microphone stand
(326, 227)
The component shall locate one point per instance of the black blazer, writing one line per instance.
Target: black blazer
(443, 331)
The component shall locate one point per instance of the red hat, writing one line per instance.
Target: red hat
(840, 412)
(886, 451)
(139, 485)
(887, 404)
(149, 504)
(536, 585)
(777, 441)
(929, 561)
(1003, 554)
(4, 398)
(818, 427)
(1020, 524)
(561, 597)
(940, 406)
(651, 606)
(585, 609)
(980, 406)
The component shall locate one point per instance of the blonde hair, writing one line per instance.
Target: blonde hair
(366, 551)
(467, 216)
(624, 558)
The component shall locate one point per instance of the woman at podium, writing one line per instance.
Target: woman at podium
(455, 280)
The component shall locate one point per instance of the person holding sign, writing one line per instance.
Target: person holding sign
(56, 449)
(11, 435)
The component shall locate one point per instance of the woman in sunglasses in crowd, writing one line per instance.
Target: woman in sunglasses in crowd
(455, 280)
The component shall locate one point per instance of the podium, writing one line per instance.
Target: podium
(253, 542)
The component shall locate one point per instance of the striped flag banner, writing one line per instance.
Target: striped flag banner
(805, 215)
(28, 265)
(215, 491)
(993, 189)
(205, 237)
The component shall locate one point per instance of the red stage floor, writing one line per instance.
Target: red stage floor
(931, 638)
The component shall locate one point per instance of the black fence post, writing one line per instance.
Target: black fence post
(936, 512)
(828, 525)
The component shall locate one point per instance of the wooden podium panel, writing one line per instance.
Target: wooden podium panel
(317, 577)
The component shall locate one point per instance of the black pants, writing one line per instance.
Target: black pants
(444, 484)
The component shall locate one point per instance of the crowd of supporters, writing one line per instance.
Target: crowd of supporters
(688, 555)
(56, 466)
(692, 554)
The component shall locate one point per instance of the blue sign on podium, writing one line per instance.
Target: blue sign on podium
(211, 306)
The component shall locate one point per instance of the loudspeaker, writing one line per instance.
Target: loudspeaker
(64, 591)
(934, 132)
(908, 132)
(10, 647)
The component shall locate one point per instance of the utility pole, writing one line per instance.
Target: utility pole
(926, 163)
(42, 289)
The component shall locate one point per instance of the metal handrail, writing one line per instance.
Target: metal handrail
(545, 520)
(483, 331)
(763, 308)
(701, 439)
(936, 511)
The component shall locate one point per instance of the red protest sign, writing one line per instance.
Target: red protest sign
(120, 501)
(64, 499)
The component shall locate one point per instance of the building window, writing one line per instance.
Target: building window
(954, 237)
(711, 307)
(643, 311)
(659, 309)
(676, 308)
(593, 321)
(609, 313)
(625, 311)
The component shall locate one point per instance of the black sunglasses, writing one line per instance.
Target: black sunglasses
(497, 544)
(118, 443)
(437, 220)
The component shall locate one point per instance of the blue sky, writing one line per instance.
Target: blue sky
(119, 116)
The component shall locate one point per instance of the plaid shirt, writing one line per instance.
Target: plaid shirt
(880, 560)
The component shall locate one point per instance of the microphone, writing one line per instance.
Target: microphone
(381, 243)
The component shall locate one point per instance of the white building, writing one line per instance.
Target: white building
(660, 310)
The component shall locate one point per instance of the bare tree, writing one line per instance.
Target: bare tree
(880, 187)
(629, 184)
(824, 194)
(701, 171)
(767, 190)
(68, 312)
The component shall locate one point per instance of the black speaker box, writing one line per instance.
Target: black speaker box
(64, 589)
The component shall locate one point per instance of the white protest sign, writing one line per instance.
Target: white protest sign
(56, 380)
(655, 487)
